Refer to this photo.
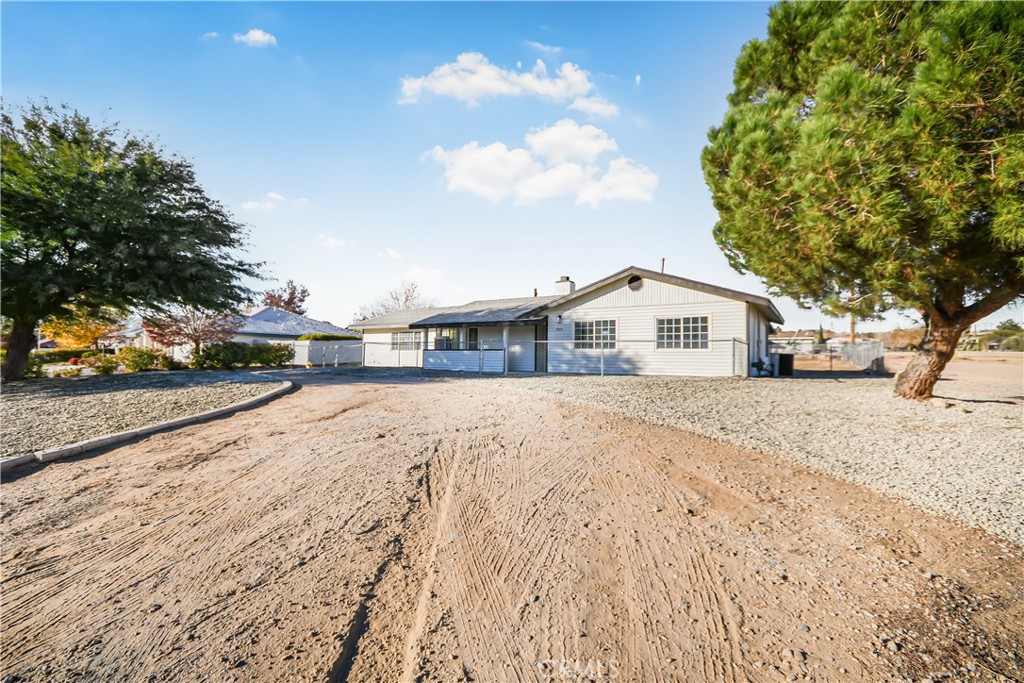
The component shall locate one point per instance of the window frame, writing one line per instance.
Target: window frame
(594, 342)
(411, 343)
(685, 330)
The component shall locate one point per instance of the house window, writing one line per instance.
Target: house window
(473, 338)
(599, 334)
(682, 333)
(446, 338)
(405, 341)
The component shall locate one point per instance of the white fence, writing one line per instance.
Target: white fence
(866, 355)
(324, 353)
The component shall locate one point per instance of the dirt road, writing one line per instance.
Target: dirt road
(367, 530)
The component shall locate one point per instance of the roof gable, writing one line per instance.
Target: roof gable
(270, 321)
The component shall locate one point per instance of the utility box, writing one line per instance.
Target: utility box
(785, 365)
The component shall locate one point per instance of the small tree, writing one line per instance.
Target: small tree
(404, 297)
(189, 325)
(81, 329)
(291, 297)
(1009, 324)
(92, 217)
(872, 158)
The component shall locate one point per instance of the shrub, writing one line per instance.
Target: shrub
(270, 354)
(165, 362)
(105, 365)
(139, 360)
(224, 356)
(58, 355)
(89, 354)
(74, 361)
(33, 368)
(68, 372)
(328, 337)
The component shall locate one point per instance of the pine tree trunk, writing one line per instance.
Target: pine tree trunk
(922, 372)
(23, 338)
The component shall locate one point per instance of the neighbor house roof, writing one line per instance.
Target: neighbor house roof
(762, 303)
(267, 321)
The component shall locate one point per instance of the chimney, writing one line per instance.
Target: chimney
(565, 285)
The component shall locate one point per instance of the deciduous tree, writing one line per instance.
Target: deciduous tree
(291, 297)
(872, 158)
(190, 325)
(81, 329)
(405, 296)
(93, 216)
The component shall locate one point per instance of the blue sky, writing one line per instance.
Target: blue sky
(481, 150)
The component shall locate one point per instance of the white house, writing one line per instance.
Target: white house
(636, 321)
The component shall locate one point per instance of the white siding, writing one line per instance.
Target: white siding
(465, 361)
(377, 350)
(636, 313)
(757, 333)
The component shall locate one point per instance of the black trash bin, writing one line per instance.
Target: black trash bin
(785, 365)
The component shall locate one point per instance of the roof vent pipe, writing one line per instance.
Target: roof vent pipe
(565, 285)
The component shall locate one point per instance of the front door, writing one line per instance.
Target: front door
(541, 347)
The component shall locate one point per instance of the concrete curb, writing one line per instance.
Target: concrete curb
(52, 454)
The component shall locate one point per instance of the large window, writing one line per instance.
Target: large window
(446, 338)
(682, 333)
(599, 334)
(405, 341)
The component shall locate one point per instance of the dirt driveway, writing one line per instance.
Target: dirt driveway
(384, 530)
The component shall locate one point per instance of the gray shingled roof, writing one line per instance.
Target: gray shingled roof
(484, 312)
(276, 322)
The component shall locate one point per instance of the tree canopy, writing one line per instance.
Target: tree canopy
(872, 158)
(95, 217)
(81, 329)
(291, 297)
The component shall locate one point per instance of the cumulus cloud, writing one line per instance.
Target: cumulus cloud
(490, 172)
(636, 79)
(595, 106)
(558, 161)
(471, 77)
(625, 180)
(330, 241)
(568, 140)
(256, 38)
(209, 35)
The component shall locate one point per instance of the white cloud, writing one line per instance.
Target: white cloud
(564, 180)
(256, 38)
(595, 106)
(625, 180)
(390, 253)
(569, 141)
(636, 79)
(559, 161)
(272, 200)
(490, 172)
(471, 77)
(209, 35)
(330, 241)
(545, 49)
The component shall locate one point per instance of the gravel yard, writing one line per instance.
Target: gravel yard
(959, 456)
(45, 414)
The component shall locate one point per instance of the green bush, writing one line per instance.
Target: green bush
(68, 372)
(328, 337)
(166, 362)
(233, 355)
(33, 368)
(139, 360)
(270, 354)
(226, 356)
(89, 354)
(58, 355)
(105, 365)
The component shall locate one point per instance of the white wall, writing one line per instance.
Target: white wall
(466, 361)
(521, 348)
(377, 350)
(635, 313)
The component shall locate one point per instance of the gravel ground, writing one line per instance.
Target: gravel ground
(43, 414)
(965, 460)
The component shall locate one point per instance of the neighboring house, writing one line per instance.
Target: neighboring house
(636, 321)
(261, 325)
(269, 325)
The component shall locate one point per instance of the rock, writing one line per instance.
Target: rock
(928, 576)
(804, 627)
(893, 646)
(534, 598)
(240, 663)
